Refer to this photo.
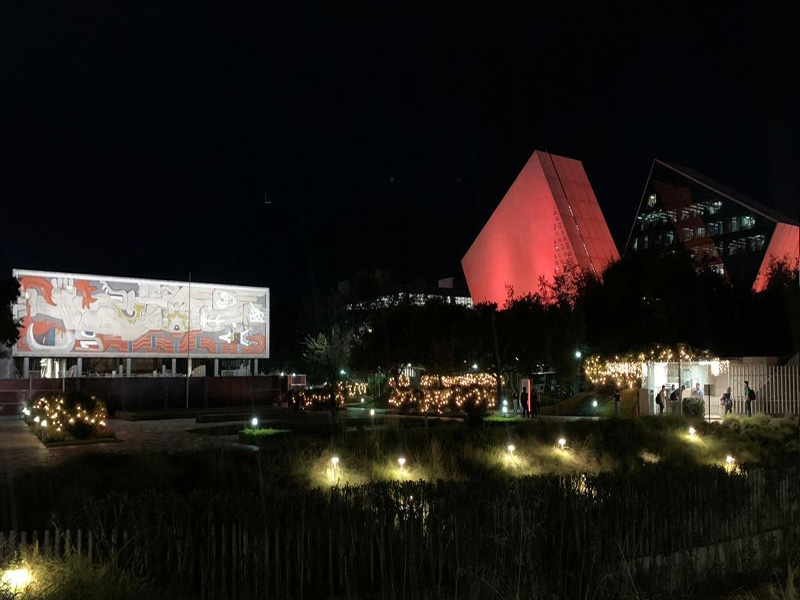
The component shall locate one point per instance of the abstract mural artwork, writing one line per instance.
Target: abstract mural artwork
(67, 314)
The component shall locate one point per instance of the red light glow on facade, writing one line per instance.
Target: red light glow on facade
(784, 245)
(547, 219)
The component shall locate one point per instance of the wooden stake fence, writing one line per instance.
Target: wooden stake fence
(559, 535)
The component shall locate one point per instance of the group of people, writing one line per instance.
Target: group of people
(530, 404)
(674, 395)
(726, 400)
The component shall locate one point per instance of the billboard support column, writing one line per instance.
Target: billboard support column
(216, 367)
(78, 368)
(26, 367)
(127, 367)
(189, 340)
(174, 367)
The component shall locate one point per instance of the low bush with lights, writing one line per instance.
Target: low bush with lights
(68, 417)
(445, 395)
(319, 398)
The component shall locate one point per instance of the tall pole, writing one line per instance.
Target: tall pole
(188, 340)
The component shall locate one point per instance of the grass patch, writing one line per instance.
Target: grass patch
(265, 431)
(76, 577)
(288, 464)
(582, 405)
(254, 437)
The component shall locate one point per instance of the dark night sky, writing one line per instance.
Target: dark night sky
(141, 139)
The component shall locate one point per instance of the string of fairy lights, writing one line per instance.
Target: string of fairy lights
(343, 391)
(441, 394)
(54, 412)
(628, 370)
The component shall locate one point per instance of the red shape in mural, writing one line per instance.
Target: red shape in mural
(548, 219)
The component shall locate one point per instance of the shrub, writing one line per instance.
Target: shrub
(694, 408)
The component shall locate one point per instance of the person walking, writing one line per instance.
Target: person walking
(749, 396)
(617, 401)
(523, 399)
(661, 398)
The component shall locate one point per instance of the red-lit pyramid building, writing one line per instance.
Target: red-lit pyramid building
(548, 218)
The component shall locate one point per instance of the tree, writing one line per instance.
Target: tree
(325, 356)
(9, 327)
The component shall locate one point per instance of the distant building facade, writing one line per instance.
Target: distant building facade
(721, 228)
(416, 294)
(548, 219)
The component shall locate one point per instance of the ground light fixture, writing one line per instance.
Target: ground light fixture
(692, 431)
(254, 422)
(16, 580)
(36, 419)
(402, 462)
(511, 449)
(562, 442)
(730, 460)
(43, 423)
(362, 401)
(371, 412)
(594, 403)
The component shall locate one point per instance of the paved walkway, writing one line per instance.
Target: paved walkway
(20, 450)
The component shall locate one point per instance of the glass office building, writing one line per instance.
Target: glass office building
(722, 229)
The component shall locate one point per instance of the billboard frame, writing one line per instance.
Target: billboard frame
(261, 291)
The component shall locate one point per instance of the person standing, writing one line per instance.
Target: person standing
(523, 399)
(534, 402)
(749, 395)
(617, 401)
(727, 402)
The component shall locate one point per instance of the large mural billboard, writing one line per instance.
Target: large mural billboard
(66, 314)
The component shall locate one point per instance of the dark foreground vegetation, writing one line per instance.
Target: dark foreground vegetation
(627, 509)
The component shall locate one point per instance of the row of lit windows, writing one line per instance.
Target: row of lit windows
(708, 207)
(731, 225)
(738, 246)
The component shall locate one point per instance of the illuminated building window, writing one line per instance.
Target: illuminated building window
(734, 224)
(718, 269)
(645, 242)
(701, 232)
(651, 200)
(736, 247)
(670, 238)
(635, 245)
(714, 207)
(755, 243)
(688, 234)
(748, 222)
(715, 228)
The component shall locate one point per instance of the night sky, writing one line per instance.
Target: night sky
(141, 139)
